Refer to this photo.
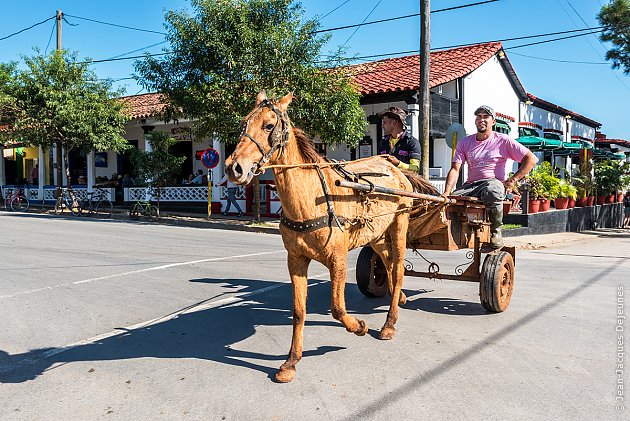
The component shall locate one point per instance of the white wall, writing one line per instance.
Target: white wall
(546, 119)
(579, 129)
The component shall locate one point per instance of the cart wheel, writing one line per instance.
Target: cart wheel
(497, 281)
(371, 273)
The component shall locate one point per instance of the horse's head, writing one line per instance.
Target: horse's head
(265, 133)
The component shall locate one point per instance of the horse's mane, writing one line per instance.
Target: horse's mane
(306, 148)
(420, 185)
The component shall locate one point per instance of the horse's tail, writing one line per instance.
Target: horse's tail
(420, 185)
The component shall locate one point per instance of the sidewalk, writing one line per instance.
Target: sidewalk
(270, 226)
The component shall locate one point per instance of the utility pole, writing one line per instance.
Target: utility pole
(424, 97)
(58, 147)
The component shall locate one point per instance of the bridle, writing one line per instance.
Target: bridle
(277, 138)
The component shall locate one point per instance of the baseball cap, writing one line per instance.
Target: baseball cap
(396, 113)
(486, 109)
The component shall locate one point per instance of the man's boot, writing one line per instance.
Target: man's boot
(496, 221)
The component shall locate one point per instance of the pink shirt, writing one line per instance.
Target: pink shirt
(488, 158)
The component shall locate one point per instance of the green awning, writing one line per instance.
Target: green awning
(552, 144)
(618, 155)
(600, 153)
(571, 146)
(586, 145)
(531, 141)
(501, 125)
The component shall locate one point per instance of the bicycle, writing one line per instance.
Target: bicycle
(15, 200)
(68, 200)
(145, 208)
(97, 203)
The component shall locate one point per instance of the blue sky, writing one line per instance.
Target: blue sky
(593, 90)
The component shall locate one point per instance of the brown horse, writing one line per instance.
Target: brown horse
(321, 221)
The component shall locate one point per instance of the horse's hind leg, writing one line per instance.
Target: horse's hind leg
(381, 248)
(398, 234)
(337, 268)
(298, 269)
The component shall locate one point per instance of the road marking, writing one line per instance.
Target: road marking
(126, 330)
(133, 272)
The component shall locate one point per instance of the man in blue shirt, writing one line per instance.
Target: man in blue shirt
(398, 146)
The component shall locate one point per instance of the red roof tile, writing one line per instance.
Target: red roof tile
(403, 73)
(144, 105)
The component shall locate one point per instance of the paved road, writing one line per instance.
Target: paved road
(120, 320)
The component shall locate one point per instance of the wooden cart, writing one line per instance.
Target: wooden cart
(467, 227)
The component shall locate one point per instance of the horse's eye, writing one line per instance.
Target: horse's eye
(269, 127)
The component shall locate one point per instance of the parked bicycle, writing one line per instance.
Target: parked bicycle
(145, 207)
(68, 200)
(15, 200)
(97, 203)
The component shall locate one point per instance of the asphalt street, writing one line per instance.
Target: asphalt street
(120, 320)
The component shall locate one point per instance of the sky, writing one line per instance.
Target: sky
(571, 73)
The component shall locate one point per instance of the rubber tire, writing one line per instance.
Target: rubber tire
(134, 212)
(154, 214)
(20, 203)
(59, 206)
(85, 207)
(72, 205)
(104, 208)
(497, 281)
(371, 274)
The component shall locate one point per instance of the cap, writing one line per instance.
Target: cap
(486, 109)
(396, 113)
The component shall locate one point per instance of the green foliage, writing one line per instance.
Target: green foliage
(584, 183)
(611, 176)
(229, 50)
(566, 189)
(60, 99)
(158, 167)
(615, 18)
(8, 107)
(543, 183)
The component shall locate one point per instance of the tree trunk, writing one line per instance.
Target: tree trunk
(59, 165)
(67, 162)
(256, 192)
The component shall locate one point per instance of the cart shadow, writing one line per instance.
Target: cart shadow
(217, 334)
(441, 305)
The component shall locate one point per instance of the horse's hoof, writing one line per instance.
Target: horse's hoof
(387, 333)
(363, 328)
(402, 300)
(285, 375)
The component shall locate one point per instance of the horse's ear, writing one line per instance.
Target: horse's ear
(284, 102)
(261, 97)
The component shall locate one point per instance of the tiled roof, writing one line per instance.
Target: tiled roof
(403, 73)
(144, 105)
(549, 106)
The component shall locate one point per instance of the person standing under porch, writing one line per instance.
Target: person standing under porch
(398, 146)
(486, 153)
(232, 189)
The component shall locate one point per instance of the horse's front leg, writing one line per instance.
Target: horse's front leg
(337, 268)
(298, 269)
(398, 236)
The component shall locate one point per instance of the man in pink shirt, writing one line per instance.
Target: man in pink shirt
(486, 153)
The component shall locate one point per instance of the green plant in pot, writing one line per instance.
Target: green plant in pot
(607, 175)
(567, 193)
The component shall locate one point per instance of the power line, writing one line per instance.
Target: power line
(366, 18)
(559, 61)
(138, 49)
(116, 25)
(124, 58)
(26, 29)
(320, 19)
(403, 17)
(52, 31)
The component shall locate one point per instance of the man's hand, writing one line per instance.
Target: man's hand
(392, 159)
(510, 185)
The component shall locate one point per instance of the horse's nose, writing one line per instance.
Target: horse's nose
(235, 171)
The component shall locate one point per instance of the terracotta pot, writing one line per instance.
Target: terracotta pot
(581, 202)
(561, 202)
(620, 197)
(601, 200)
(534, 205)
(545, 205)
(591, 200)
(610, 198)
(571, 203)
(507, 207)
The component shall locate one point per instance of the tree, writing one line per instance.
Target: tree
(8, 108)
(220, 58)
(615, 18)
(158, 167)
(60, 101)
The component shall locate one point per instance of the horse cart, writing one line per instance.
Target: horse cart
(449, 224)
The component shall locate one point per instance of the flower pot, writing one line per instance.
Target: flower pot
(581, 202)
(601, 200)
(591, 200)
(534, 205)
(619, 197)
(561, 202)
(610, 198)
(571, 203)
(544, 205)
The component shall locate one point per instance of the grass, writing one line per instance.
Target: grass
(511, 226)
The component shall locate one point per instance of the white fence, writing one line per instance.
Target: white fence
(32, 192)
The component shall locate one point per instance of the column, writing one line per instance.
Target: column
(3, 178)
(413, 119)
(91, 176)
(217, 172)
(41, 172)
(147, 143)
(54, 154)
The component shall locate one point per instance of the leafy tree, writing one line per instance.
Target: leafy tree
(615, 18)
(158, 167)
(8, 108)
(221, 57)
(60, 101)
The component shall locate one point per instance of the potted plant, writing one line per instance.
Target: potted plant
(584, 184)
(566, 193)
(607, 175)
(535, 192)
(549, 184)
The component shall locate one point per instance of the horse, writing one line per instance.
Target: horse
(322, 221)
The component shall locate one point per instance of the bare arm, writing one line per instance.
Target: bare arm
(526, 166)
(451, 178)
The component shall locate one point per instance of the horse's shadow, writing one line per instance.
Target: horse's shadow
(207, 334)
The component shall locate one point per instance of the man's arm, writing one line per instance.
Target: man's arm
(526, 166)
(451, 178)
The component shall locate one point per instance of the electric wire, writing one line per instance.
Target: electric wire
(320, 19)
(52, 31)
(358, 27)
(26, 29)
(560, 61)
(115, 24)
